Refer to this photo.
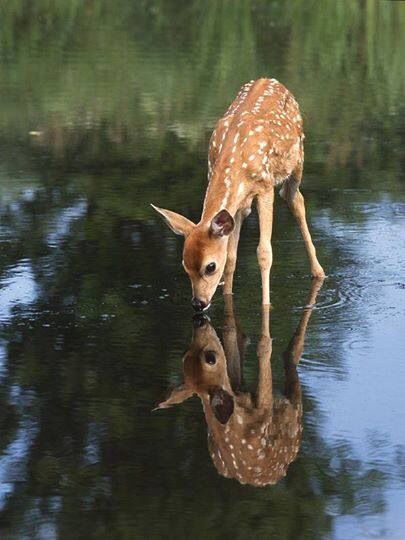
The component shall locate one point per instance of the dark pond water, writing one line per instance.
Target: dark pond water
(108, 106)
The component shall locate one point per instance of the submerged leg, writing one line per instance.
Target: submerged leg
(230, 344)
(264, 249)
(264, 396)
(292, 354)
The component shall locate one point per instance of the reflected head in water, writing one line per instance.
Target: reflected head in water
(250, 438)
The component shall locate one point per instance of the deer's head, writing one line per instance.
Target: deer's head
(205, 373)
(204, 253)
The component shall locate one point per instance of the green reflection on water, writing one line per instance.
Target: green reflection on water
(116, 78)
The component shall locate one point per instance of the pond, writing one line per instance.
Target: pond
(107, 107)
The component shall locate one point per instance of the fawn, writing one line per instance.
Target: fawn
(251, 440)
(255, 146)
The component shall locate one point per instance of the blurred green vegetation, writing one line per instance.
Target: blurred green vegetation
(98, 77)
(136, 87)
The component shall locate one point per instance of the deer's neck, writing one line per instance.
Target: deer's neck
(226, 190)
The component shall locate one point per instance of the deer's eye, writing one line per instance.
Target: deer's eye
(210, 268)
(210, 358)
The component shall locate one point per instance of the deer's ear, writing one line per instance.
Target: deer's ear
(222, 404)
(222, 224)
(176, 395)
(178, 224)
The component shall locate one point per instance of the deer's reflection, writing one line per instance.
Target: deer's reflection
(251, 438)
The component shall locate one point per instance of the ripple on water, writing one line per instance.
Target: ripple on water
(336, 293)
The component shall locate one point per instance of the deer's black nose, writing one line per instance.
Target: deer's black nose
(198, 305)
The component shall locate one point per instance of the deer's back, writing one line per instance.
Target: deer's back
(260, 133)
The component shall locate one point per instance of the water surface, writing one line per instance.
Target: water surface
(107, 107)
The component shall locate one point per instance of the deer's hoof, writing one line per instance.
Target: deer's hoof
(318, 274)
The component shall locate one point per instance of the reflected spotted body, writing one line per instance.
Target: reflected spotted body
(254, 449)
(251, 438)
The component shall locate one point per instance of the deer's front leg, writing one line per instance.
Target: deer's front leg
(264, 251)
(232, 254)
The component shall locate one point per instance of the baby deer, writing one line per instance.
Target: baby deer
(256, 146)
(253, 440)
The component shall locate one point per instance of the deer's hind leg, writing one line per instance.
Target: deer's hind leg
(295, 200)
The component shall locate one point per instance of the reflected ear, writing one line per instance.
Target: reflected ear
(178, 224)
(222, 404)
(222, 224)
(176, 395)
